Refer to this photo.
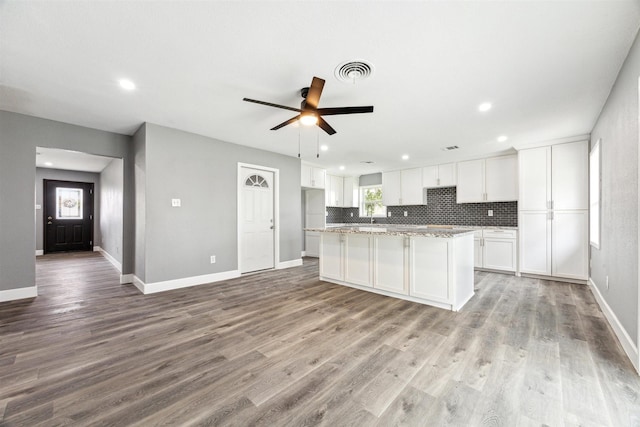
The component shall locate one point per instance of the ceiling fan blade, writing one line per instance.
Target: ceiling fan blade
(255, 101)
(344, 110)
(315, 90)
(322, 124)
(288, 122)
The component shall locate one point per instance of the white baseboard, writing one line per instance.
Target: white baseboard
(39, 252)
(289, 264)
(151, 288)
(126, 278)
(627, 343)
(19, 293)
(109, 258)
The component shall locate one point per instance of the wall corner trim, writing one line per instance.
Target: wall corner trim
(627, 343)
(126, 278)
(109, 258)
(19, 293)
(289, 264)
(167, 285)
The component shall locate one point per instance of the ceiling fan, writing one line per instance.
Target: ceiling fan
(310, 114)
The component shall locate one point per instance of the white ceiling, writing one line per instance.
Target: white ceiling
(546, 66)
(51, 158)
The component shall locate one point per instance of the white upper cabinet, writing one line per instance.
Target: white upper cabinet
(501, 179)
(554, 177)
(439, 176)
(391, 188)
(311, 176)
(535, 179)
(570, 176)
(333, 191)
(488, 180)
(470, 181)
(351, 193)
(402, 187)
(412, 190)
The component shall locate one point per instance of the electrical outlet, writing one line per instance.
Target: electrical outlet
(213, 259)
(388, 213)
(607, 282)
(490, 212)
(405, 213)
(175, 203)
(351, 214)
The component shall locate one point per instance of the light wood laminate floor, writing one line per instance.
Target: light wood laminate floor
(282, 348)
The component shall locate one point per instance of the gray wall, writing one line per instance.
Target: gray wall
(617, 257)
(371, 179)
(65, 175)
(111, 208)
(19, 137)
(202, 172)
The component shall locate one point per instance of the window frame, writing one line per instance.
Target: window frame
(362, 212)
(595, 194)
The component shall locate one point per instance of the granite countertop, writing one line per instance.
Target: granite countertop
(395, 230)
(440, 226)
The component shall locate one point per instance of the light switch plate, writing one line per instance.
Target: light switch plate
(490, 212)
(405, 213)
(38, 207)
(175, 203)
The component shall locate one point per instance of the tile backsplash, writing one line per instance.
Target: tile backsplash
(441, 208)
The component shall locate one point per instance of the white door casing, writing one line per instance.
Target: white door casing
(257, 219)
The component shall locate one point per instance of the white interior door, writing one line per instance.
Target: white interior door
(257, 227)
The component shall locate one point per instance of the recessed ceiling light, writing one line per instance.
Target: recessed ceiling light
(126, 84)
(405, 157)
(485, 106)
(341, 168)
(324, 147)
(48, 164)
(502, 138)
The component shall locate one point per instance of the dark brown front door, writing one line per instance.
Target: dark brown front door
(68, 216)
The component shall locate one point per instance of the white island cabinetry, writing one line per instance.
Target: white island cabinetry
(431, 267)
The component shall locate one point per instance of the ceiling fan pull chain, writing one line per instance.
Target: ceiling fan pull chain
(298, 142)
(317, 143)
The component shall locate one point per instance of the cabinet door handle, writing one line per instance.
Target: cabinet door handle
(551, 202)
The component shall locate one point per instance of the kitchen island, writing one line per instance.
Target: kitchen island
(431, 266)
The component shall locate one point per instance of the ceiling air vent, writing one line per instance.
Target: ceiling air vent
(352, 71)
(451, 147)
(369, 162)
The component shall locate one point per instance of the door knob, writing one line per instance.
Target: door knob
(49, 223)
(49, 218)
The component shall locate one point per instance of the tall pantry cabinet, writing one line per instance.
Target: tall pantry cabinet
(553, 210)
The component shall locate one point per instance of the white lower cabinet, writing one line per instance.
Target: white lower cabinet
(390, 263)
(500, 254)
(499, 249)
(477, 249)
(570, 244)
(331, 256)
(429, 260)
(358, 267)
(535, 243)
(430, 270)
(496, 249)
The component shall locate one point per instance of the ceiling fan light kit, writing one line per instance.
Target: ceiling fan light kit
(309, 110)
